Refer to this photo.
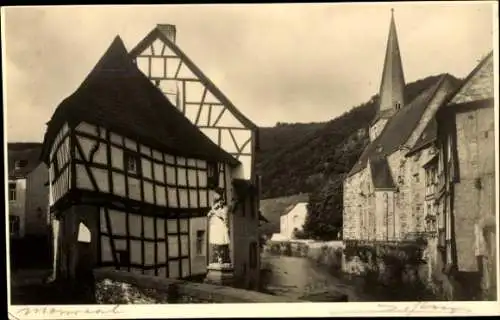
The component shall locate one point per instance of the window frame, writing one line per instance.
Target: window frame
(12, 191)
(213, 173)
(200, 242)
(127, 156)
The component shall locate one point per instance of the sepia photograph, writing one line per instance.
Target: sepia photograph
(304, 157)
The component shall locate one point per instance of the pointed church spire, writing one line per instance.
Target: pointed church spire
(393, 82)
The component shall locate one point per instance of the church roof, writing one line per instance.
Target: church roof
(399, 128)
(381, 173)
(118, 96)
(393, 82)
(428, 136)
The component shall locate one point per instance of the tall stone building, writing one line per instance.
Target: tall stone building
(464, 193)
(384, 192)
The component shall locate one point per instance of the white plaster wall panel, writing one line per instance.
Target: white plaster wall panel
(172, 226)
(149, 253)
(135, 252)
(106, 253)
(101, 178)
(183, 225)
(172, 197)
(181, 177)
(171, 175)
(149, 227)
(149, 196)
(116, 139)
(191, 177)
(160, 196)
(149, 272)
(158, 172)
(185, 268)
(118, 222)
(135, 225)
(86, 128)
(116, 158)
(157, 155)
(202, 179)
(160, 228)
(130, 144)
(184, 245)
(146, 168)
(169, 159)
(173, 269)
(134, 188)
(82, 178)
(120, 244)
(162, 272)
(161, 252)
(193, 198)
(203, 198)
(173, 246)
(183, 198)
(119, 184)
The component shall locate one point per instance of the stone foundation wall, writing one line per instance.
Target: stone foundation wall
(120, 287)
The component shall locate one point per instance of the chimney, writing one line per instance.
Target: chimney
(168, 30)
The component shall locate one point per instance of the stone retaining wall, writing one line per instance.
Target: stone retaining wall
(120, 287)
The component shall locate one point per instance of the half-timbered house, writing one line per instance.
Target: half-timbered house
(169, 68)
(131, 179)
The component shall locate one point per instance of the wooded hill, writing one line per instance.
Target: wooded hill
(314, 158)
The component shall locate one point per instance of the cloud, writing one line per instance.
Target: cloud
(286, 62)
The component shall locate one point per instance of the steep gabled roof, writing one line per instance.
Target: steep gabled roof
(393, 82)
(118, 96)
(428, 136)
(163, 33)
(399, 128)
(28, 153)
(381, 173)
(474, 95)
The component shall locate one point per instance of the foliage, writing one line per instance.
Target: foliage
(315, 158)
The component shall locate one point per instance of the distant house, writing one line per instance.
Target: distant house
(132, 178)
(27, 190)
(292, 221)
(273, 209)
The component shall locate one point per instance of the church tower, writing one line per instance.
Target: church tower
(391, 95)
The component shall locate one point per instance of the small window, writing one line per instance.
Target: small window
(12, 191)
(14, 225)
(123, 258)
(20, 164)
(398, 105)
(132, 162)
(212, 175)
(200, 241)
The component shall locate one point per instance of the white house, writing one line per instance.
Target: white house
(27, 192)
(291, 221)
(131, 178)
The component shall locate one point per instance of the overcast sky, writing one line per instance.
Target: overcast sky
(275, 62)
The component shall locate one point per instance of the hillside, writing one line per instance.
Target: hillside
(313, 158)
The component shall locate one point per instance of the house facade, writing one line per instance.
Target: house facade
(384, 193)
(465, 192)
(132, 180)
(292, 221)
(27, 192)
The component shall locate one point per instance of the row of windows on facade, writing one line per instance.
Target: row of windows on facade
(133, 165)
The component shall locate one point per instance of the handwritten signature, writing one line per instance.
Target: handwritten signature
(415, 308)
(61, 312)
